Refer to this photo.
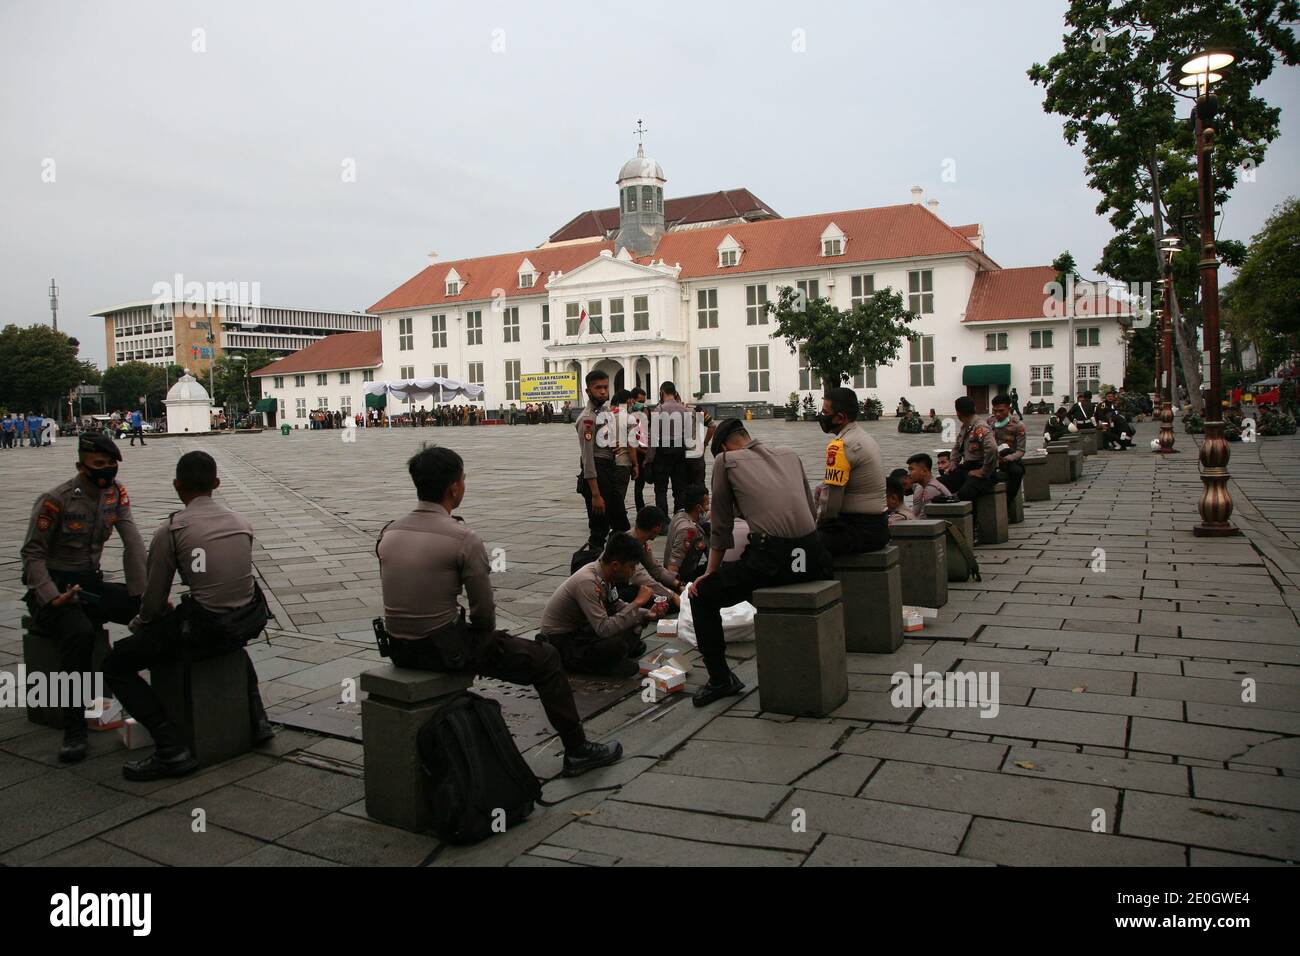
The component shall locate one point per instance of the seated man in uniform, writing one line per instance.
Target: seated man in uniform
(425, 559)
(851, 499)
(894, 510)
(687, 537)
(649, 525)
(67, 595)
(974, 457)
(212, 548)
(1057, 427)
(925, 487)
(586, 621)
(1012, 442)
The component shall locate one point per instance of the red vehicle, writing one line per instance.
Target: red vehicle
(1267, 392)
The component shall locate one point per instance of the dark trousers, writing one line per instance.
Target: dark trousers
(854, 533)
(75, 625)
(514, 659)
(638, 490)
(1013, 473)
(736, 581)
(694, 472)
(158, 642)
(615, 516)
(584, 652)
(669, 468)
(961, 484)
(137, 432)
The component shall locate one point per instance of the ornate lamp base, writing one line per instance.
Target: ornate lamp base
(1216, 503)
(1166, 439)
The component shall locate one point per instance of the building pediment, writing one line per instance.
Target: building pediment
(606, 270)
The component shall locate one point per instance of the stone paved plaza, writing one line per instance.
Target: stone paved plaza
(1121, 691)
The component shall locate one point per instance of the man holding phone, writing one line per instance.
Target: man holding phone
(67, 595)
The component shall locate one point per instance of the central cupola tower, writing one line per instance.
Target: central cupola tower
(640, 203)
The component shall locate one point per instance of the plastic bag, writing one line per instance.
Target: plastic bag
(737, 623)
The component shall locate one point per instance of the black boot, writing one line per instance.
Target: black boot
(74, 737)
(591, 755)
(165, 762)
(263, 732)
(716, 690)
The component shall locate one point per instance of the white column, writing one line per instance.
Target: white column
(654, 385)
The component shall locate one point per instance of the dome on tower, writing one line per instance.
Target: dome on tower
(640, 166)
(187, 389)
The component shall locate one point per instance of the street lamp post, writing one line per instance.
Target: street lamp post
(1165, 443)
(1216, 503)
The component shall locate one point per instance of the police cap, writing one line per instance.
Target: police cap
(98, 445)
(723, 432)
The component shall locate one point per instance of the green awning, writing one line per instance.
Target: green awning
(986, 375)
(376, 401)
(265, 405)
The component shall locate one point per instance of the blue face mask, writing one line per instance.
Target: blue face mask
(1002, 424)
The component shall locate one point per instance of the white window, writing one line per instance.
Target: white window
(1040, 381)
(811, 289)
(279, 381)
(758, 371)
(405, 340)
(300, 408)
(1087, 378)
(282, 413)
(864, 378)
(474, 327)
(595, 316)
(641, 313)
(525, 280)
(475, 373)
(920, 291)
(808, 378)
(572, 318)
(300, 381)
(710, 378)
(1087, 338)
(510, 324)
(756, 305)
(345, 378)
(616, 316)
(921, 360)
(345, 406)
(862, 288)
(368, 375)
(728, 252)
(322, 403)
(322, 378)
(995, 342)
(1040, 339)
(440, 371)
(453, 282)
(546, 322)
(512, 380)
(408, 372)
(707, 308)
(832, 247)
(439, 331)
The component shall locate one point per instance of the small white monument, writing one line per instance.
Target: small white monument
(188, 407)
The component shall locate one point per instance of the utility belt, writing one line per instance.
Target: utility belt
(861, 518)
(223, 629)
(604, 470)
(771, 556)
(455, 643)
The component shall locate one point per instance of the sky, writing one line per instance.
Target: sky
(323, 149)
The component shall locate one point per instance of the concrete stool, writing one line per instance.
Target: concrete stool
(1058, 464)
(799, 633)
(922, 561)
(41, 656)
(1036, 486)
(991, 516)
(1076, 464)
(1016, 506)
(1088, 441)
(960, 513)
(400, 702)
(208, 703)
(872, 584)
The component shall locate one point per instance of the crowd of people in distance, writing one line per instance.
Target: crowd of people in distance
(1114, 430)
(534, 413)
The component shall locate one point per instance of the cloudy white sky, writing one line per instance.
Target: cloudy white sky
(226, 165)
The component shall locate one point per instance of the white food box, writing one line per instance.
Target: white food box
(134, 734)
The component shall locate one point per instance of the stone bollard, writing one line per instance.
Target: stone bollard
(207, 700)
(799, 634)
(922, 561)
(1058, 464)
(1036, 486)
(1088, 441)
(400, 701)
(1016, 506)
(41, 656)
(872, 588)
(1076, 464)
(960, 513)
(991, 516)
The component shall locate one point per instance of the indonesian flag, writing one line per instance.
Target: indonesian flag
(582, 320)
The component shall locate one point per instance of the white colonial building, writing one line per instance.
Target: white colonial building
(654, 291)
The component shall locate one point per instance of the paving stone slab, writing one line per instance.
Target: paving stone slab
(1214, 783)
(307, 785)
(842, 851)
(922, 748)
(666, 851)
(704, 828)
(1088, 701)
(844, 774)
(1194, 740)
(760, 731)
(757, 763)
(1032, 723)
(1105, 770)
(1213, 824)
(884, 822)
(355, 842)
(754, 801)
(1024, 844)
(168, 837)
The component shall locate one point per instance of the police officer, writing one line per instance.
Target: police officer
(686, 539)
(670, 426)
(1010, 431)
(974, 458)
(851, 508)
(67, 594)
(137, 428)
(425, 559)
(595, 631)
(596, 482)
(212, 549)
(763, 483)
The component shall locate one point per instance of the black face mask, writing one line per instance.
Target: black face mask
(827, 422)
(102, 477)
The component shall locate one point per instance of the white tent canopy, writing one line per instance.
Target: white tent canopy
(424, 389)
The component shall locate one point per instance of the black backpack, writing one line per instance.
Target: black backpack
(583, 557)
(468, 752)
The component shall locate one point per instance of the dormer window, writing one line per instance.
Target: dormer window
(729, 253)
(453, 282)
(832, 241)
(527, 275)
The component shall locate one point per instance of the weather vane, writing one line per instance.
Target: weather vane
(640, 133)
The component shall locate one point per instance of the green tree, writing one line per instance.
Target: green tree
(1263, 303)
(839, 343)
(124, 384)
(235, 389)
(1112, 83)
(38, 368)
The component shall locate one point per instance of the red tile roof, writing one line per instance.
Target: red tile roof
(683, 210)
(478, 277)
(1004, 294)
(343, 351)
(970, 230)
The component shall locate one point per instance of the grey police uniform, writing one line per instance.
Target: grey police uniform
(212, 549)
(851, 506)
(590, 625)
(425, 560)
(597, 461)
(976, 448)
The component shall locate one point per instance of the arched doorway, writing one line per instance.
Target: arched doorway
(642, 373)
(614, 370)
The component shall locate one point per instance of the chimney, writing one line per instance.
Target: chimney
(433, 258)
(917, 192)
(933, 206)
